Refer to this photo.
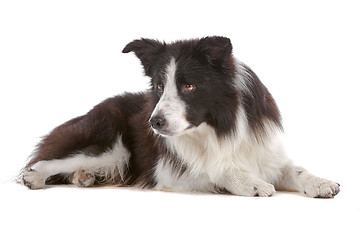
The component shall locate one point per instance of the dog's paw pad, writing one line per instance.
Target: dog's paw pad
(83, 178)
(33, 179)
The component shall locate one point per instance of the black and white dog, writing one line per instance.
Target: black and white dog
(206, 124)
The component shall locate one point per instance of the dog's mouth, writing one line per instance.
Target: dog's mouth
(169, 133)
(189, 127)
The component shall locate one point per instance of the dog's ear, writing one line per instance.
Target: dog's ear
(147, 50)
(217, 51)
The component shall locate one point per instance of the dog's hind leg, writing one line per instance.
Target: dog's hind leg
(108, 165)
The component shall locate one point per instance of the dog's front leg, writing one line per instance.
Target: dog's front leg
(244, 184)
(299, 179)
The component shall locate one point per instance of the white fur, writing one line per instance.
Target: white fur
(211, 161)
(296, 178)
(244, 78)
(108, 164)
(170, 104)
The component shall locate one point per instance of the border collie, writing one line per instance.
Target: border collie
(206, 124)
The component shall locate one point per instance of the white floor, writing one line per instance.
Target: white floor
(68, 212)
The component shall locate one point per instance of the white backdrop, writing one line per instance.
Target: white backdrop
(60, 58)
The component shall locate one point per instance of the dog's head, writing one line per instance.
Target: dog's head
(192, 83)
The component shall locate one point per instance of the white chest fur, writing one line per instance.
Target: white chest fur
(207, 158)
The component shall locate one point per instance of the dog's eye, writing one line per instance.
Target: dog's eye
(160, 87)
(189, 88)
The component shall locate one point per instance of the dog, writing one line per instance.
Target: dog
(205, 124)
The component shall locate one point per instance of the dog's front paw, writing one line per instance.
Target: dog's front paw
(246, 185)
(253, 189)
(321, 188)
(33, 179)
(263, 189)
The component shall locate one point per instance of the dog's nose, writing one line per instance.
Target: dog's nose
(157, 122)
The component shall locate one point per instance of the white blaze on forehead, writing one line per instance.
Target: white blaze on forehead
(170, 75)
(170, 104)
